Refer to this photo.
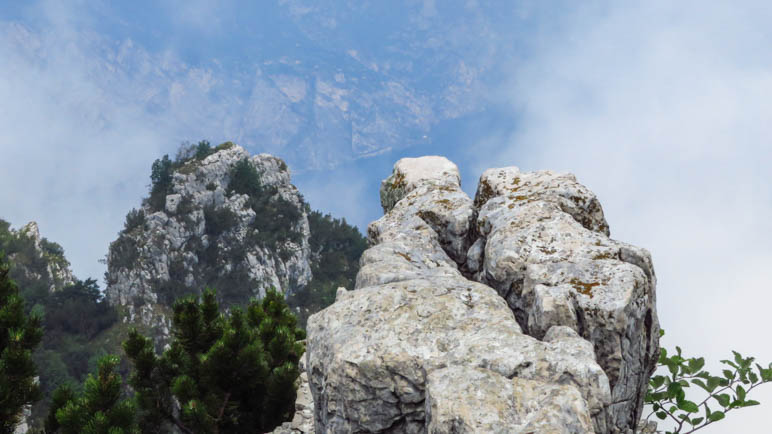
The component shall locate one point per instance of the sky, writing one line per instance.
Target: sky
(661, 108)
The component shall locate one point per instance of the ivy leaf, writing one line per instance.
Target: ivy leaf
(662, 415)
(716, 416)
(688, 406)
(713, 382)
(740, 393)
(754, 378)
(722, 399)
(673, 389)
(657, 381)
(750, 403)
(702, 384)
(696, 420)
(696, 364)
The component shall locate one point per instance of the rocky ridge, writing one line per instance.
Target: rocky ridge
(207, 235)
(45, 263)
(512, 312)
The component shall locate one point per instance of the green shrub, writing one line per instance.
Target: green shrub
(124, 252)
(98, 409)
(161, 183)
(203, 150)
(134, 219)
(275, 217)
(52, 249)
(244, 179)
(230, 372)
(224, 146)
(219, 220)
(19, 335)
(174, 288)
(79, 309)
(336, 248)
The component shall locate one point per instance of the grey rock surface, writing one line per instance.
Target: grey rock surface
(548, 253)
(498, 404)
(515, 308)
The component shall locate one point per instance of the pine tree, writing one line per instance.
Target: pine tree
(19, 335)
(98, 409)
(229, 373)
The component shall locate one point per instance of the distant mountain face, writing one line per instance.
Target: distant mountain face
(354, 79)
(221, 219)
(318, 83)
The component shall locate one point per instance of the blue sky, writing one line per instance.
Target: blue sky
(662, 108)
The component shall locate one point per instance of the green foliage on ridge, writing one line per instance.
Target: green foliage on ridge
(161, 183)
(275, 217)
(77, 320)
(19, 335)
(97, 409)
(29, 265)
(336, 248)
(230, 373)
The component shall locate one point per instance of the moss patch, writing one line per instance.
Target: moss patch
(484, 193)
(583, 287)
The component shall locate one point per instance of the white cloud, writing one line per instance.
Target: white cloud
(82, 118)
(663, 109)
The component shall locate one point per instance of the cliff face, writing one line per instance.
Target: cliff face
(229, 221)
(36, 262)
(512, 312)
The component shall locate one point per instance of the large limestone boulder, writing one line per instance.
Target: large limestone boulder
(371, 354)
(501, 405)
(514, 312)
(546, 249)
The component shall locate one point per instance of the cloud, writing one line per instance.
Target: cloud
(663, 109)
(83, 118)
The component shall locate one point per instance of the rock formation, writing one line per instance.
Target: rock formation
(512, 312)
(208, 235)
(44, 262)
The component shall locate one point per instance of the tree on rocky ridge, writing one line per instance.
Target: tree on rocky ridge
(230, 373)
(98, 409)
(19, 335)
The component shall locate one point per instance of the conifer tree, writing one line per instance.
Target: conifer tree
(98, 409)
(19, 335)
(230, 373)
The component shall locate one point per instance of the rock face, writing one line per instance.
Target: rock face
(548, 253)
(52, 268)
(208, 235)
(512, 312)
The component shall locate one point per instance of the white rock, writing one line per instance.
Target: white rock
(431, 340)
(414, 313)
(548, 253)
